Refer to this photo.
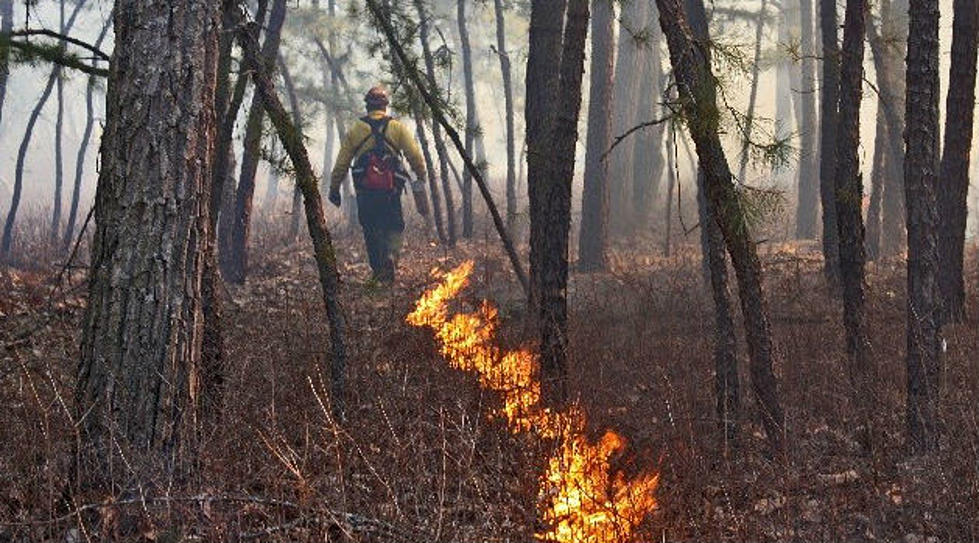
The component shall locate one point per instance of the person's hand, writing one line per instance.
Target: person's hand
(334, 197)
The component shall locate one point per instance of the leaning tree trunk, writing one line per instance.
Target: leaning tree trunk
(235, 266)
(83, 149)
(8, 228)
(727, 386)
(551, 216)
(696, 84)
(511, 149)
(594, 197)
(921, 185)
(440, 149)
(952, 206)
(849, 200)
(138, 377)
(326, 264)
(471, 123)
(6, 27)
(807, 210)
(830, 101)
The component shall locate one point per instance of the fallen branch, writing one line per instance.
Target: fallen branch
(326, 264)
(391, 35)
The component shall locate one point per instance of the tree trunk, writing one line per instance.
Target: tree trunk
(235, 267)
(6, 27)
(8, 228)
(511, 149)
(921, 184)
(696, 82)
(626, 95)
(893, 47)
(849, 210)
(138, 378)
(433, 187)
(297, 121)
(647, 163)
(830, 101)
(594, 197)
(808, 207)
(471, 124)
(292, 140)
(423, 35)
(551, 216)
(59, 161)
(877, 177)
(753, 95)
(727, 386)
(83, 149)
(953, 208)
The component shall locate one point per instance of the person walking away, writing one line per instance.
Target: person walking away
(372, 149)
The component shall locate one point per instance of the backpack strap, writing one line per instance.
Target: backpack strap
(379, 129)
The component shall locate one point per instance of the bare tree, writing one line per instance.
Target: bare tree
(594, 198)
(959, 112)
(471, 123)
(921, 186)
(142, 333)
(806, 212)
(829, 117)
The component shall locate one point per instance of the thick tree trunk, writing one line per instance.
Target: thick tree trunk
(83, 149)
(952, 206)
(540, 99)
(8, 229)
(849, 200)
(235, 267)
(727, 387)
(292, 140)
(830, 101)
(594, 197)
(807, 210)
(138, 378)
(471, 123)
(696, 82)
(551, 216)
(630, 50)
(440, 150)
(511, 148)
(921, 185)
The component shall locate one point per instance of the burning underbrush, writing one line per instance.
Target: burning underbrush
(580, 499)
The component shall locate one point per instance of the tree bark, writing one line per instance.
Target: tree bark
(8, 230)
(696, 85)
(511, 149)
(6, 27)
(921, 184)
(235, 267)
(808, 207)
(594, 197)
(138, 378)
(552, 213)
(830, 101)
(952, 205)
(892, 45)
(83, 149)
(471, 123)
(849, 201)
(292, 140)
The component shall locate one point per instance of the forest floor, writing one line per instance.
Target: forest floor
(417, 459)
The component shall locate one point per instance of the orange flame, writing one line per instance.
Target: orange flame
(581, 500)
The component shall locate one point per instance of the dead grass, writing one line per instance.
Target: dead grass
(417, 455)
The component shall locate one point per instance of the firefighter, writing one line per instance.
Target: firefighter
(373, 149)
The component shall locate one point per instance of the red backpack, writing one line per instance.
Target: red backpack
(378, 168)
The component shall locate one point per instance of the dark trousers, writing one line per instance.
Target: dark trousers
(383, 224)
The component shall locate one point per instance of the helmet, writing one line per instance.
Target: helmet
(377, 98)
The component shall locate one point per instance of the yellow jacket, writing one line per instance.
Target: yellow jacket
(397, 133)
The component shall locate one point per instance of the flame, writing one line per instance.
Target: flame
(581, 499)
